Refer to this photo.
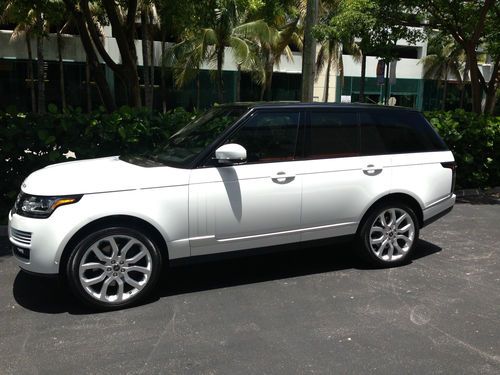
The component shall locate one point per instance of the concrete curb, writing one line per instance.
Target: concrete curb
(459, 193)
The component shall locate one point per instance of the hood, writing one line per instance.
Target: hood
(99, 176)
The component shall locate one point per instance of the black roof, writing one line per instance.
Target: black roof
(297, 104)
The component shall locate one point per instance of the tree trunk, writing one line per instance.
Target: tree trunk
(220, 82)
(309, 52)
(152, 60)
(476, 90)
(267, 91)
(163, 78)
(31, 77)
(61, 71)
(445, 88)
(41, 74)
(491, 92)
(92, 61)
(145, 58)
(464, 85)
(124, 32)
(198, 90)
(238, 84)
(362, 79)
(327, 78)
(88, 88)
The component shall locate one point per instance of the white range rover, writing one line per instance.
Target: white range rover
(242, 176)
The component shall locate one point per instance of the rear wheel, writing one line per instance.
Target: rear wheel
(114, 268)
(388, 235)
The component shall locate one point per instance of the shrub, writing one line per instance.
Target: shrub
(475, 142)
(29, 142)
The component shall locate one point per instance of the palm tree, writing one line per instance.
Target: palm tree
(25, 19)
(207, 45)
(445, 60)
(330, 53)
(271, 53)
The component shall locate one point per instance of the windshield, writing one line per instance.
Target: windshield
(185, 145)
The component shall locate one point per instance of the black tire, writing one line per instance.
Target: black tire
(149, 265)
(373, 253)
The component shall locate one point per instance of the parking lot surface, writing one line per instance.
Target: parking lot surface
(313, 310)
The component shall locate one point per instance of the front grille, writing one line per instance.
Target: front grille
(21, 236)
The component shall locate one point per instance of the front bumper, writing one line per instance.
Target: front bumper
(35, 244)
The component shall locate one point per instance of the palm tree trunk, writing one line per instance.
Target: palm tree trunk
(327, 78)
(268, 82)
(88, 93)
(445, 87)
(163, 78)
(41, 74)
(31, 78)
(309, 51)
(152, 60)
(61, 71)
(220, 82)
(362, 81)
(198, 91)
(145, 58)
(238, 84)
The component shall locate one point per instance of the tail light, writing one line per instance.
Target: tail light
(453, 166)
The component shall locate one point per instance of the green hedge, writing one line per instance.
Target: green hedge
(475, 142)
(29, 142)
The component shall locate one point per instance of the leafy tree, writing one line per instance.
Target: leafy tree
(473, 25)
(376, 28)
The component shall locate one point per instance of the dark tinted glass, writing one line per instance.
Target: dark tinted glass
(269, 136)
(397, 132)
(185, 145)
(331, 134)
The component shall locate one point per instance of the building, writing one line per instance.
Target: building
(408, 89)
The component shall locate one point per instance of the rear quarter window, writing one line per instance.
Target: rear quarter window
(397, 132)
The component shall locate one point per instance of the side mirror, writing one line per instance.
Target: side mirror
(231, 153)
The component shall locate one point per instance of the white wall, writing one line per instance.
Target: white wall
(405, 68)
(73, 51)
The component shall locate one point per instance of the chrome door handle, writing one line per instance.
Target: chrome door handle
(372, 170)
(282, 178)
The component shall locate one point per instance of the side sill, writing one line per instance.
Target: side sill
(258, 251)
(437, 216)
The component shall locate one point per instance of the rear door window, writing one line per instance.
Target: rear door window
(331, 134)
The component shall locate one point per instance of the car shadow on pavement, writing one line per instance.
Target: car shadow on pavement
(52, 297)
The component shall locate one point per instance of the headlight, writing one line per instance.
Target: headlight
(41, 207)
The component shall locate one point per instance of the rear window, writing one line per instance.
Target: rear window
(397, 132)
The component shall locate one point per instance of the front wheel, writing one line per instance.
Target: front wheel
(113, 268)
(388, 235)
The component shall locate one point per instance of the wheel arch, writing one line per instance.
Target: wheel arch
(395, 197)
(128, 221)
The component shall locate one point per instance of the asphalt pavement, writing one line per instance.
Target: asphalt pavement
(307, 311)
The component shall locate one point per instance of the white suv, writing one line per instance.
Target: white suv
(242, 176)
